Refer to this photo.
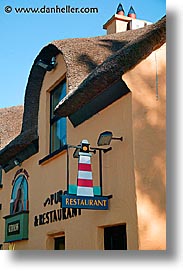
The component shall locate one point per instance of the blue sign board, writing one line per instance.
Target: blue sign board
(85, 202)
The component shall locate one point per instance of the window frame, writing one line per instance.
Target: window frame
(113, 231)
(56, 244)
(53, 119)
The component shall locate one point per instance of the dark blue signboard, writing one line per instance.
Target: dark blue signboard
(85, 202)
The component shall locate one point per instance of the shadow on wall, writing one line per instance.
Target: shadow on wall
(149, 126)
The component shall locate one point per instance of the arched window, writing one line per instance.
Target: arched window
(19, 196)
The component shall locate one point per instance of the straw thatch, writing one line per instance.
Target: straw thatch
(10, 124)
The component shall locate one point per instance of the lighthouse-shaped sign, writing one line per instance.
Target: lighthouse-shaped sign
(85, 195)
(85, 179)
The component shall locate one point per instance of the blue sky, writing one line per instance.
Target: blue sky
(24, 35)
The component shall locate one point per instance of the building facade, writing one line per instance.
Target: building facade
(87, 170)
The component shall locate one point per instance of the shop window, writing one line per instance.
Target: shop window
(19, 197)
(115, 238)
(57, 125)
(59, 243)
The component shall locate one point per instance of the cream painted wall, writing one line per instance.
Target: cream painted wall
(121, 26)
(117, 26)
(149, 129)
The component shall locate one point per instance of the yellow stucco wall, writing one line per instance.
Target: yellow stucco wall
(149, 131)
(86, 230)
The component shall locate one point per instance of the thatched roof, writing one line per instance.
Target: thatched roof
(93, 64)
(10, 124)
(111, 56)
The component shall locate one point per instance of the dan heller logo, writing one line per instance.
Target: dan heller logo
(8, 9)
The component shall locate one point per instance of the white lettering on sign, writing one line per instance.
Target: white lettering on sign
(13, 227)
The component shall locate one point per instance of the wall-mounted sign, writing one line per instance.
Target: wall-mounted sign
(85, 195)
(54, 198)
(13, 228)
(16, 227)
(16, 224)
(55, 215)
(96, 203)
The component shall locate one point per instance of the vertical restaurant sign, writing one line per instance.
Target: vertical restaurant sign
(85, 195)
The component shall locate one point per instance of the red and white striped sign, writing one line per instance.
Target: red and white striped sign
(85, 179)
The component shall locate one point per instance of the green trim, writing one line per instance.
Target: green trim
(16, 227)
(72, 189)
(97, 190)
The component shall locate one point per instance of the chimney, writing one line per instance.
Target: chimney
(132, 13)
(121, 23)
(120, 10)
